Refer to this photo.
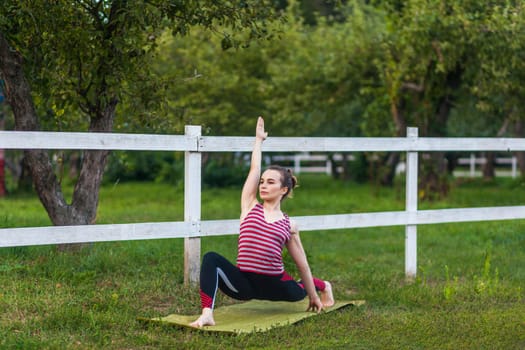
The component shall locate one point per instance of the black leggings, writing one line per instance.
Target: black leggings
(218, 272)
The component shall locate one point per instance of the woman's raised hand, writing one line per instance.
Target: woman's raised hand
(260, 134)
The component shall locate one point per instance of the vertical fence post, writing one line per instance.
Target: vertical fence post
(192, 208)
(328, 166)
(411, 207)
(297, 164)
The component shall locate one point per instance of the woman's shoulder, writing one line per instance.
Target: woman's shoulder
(294, 228)
(254, 206)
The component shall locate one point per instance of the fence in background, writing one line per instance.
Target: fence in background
(321, 163)
(194, 144)
(472, 162)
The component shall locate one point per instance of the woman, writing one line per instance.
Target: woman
(264, 230)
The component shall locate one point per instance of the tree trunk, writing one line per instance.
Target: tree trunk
(84, 205)
(452, 162)
(389, 168)
(346, 175)
(488, 168)
(389, 173)
(519, 131)
(520, 156)
(434, 181)
(3, 190)
(74, 165)
(25, 180)
(333, 167)
(396, 109)
(440, 130)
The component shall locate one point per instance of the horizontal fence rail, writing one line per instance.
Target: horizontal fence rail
(194, 144)
(95, 141)
(360, 144)
(28, 236)
(136, 142)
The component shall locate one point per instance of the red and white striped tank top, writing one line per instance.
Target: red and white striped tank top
(261, 243)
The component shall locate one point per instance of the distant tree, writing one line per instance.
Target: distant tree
(498, 83)
(430, 57)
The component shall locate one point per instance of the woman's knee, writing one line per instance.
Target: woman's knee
(209, 262)
(294, 292)
(210, 257)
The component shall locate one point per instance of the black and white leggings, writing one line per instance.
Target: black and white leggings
(218, 273)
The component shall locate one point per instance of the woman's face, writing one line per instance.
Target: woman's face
(270, 186)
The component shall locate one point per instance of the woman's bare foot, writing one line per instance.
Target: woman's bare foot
(206, 319)
(327, 296)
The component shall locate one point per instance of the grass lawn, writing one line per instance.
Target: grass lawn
(468, 293)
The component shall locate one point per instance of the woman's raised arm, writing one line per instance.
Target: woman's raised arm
(249, 190)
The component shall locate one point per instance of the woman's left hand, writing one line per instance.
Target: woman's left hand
(260, 134)
(315, 304)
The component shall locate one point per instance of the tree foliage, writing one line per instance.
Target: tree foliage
(67, 65)
(386, 66)
(85, 55)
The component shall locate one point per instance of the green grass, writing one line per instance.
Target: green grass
(468, 293)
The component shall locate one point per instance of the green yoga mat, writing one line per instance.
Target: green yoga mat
(252, 316)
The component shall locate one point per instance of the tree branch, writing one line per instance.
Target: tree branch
(413, 86)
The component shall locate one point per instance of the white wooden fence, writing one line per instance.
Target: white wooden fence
(192, 228)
